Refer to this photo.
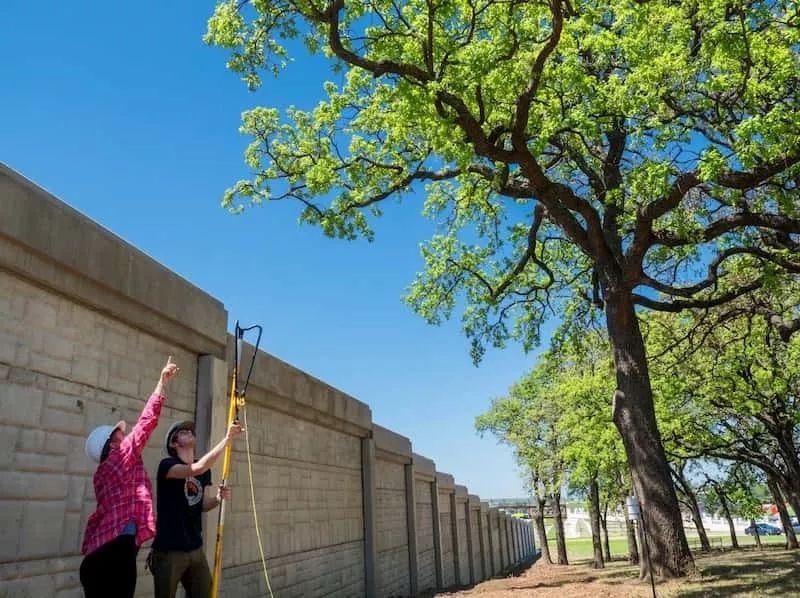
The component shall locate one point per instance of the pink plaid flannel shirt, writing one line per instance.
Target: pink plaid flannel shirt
(123, 489)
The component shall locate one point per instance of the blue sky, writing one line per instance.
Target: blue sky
(120, 110)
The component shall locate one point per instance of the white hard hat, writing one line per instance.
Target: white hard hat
(97, 440)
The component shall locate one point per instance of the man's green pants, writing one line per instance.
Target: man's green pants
(188, 568)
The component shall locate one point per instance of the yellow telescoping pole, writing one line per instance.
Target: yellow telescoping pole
(226, 465)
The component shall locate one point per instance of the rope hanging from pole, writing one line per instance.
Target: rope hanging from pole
(237, 401)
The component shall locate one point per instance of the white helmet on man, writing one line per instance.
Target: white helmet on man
(98, 438)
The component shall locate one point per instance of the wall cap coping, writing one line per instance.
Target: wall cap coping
(391, 442)
(445, 481)
(56, 233)
(423, 464)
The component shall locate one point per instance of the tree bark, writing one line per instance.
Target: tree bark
(788, 530)
(727, 512)
(630, 527)
(594, 519)
(538, 520)
(792, 497)
(634, 416)
(561, 543)
(604, 526)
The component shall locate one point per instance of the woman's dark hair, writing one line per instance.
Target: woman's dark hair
(106, 450)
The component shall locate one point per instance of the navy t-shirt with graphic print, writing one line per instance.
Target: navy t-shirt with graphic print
(179, 509)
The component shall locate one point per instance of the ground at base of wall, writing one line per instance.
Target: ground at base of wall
(745, 573)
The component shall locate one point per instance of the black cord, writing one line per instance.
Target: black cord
(240, 335)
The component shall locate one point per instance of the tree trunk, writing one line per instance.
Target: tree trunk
(756, 535)
(727, 512)
(694, 507)
(788, 530)
(635, 419)
(705, 546)
(561, 543)
(604, 525)
(633, 548)
(594, 519)
(792, 497)
(791, 459)
(794, 501)
(538, 520)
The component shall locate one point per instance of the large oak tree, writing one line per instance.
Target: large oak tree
(640, 153)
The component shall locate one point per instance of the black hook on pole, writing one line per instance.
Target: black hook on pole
(239, 333)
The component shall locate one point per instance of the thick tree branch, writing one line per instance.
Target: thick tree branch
(748, 180)
(644, 236)
(713, 271)
(676, 306)
(377, 68)
(522, 112)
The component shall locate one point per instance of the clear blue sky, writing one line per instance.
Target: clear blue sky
(121, 111)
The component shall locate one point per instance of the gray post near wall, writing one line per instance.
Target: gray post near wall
(456, 538)
(509, 541)
(210, 422)
(515, 536)
(490, 519)
(368, 489)
(437, 534)
(482, 520)
(470, 539)
(411, 526)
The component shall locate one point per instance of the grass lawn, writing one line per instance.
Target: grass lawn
(581, 548)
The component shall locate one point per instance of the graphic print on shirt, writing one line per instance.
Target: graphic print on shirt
(193, 491)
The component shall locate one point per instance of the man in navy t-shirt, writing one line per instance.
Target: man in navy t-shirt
(181, 498)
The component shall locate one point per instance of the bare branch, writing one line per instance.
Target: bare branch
(529, 255)
(676, 306)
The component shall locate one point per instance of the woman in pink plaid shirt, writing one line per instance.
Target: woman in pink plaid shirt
(124, 516)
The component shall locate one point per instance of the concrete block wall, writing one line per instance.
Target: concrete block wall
(474, 540)
(427, 528)
(306, 449)
(447, 529)
(345, 508)
(393, 567)
(486, 550)
(84, 333)
(496, 538)
(462, 552)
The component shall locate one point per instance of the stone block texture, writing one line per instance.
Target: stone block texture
(392, 570)
(463, 552)
(66, 369)
(475, 555)
(308, 488)
(497, 549)
(425, 541)
(448, 548)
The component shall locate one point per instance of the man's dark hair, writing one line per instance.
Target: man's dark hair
(171, 449)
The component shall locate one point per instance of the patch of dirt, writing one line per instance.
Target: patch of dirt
(618, 579)
(747, 573)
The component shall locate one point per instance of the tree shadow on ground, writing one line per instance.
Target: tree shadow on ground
(762, 574)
